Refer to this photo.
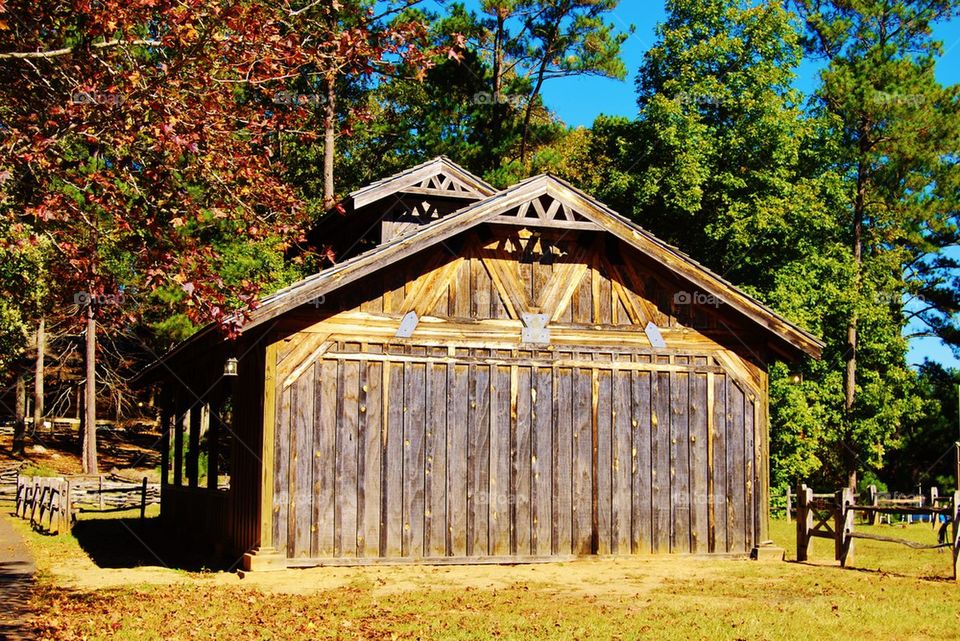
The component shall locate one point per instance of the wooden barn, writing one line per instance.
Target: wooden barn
(485, 376)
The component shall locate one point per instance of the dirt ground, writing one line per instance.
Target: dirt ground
(631, 577)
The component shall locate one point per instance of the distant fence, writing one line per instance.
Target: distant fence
(832, 516)
(786, 504)
(53, 503)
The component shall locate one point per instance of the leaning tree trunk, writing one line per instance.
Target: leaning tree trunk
(329, 142)
(19, 415)
(528, 113)
(89, 449)
(38, 375)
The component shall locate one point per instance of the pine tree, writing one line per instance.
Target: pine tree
(893, 133)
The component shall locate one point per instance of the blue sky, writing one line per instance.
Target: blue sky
(578, 101)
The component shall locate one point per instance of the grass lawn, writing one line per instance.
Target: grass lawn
(892, 593)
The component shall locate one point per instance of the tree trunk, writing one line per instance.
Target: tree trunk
(528, 113)
(89, 449)
(19, 415)
(498, 45)
(329, 143)
(850, 382)
(38, 374)
(547, 54)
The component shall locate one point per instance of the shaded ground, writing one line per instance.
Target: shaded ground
(135, 452)
(16, 585)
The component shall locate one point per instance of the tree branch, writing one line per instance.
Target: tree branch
(54, 53)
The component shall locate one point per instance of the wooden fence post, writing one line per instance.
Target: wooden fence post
(143, 499)
(19, 496)
(63, 526)
(804, 521)
(934, 497)
(874, 502)
(843, 526)
(789, 504)
(27, 488)
(68, 505)
(39, 488)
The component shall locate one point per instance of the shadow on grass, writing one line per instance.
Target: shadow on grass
(131, 542)
(874, 571)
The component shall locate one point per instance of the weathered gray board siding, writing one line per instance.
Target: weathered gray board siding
(514, 456)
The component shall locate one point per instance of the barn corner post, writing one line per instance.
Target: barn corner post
(266, 556)
(956, 534)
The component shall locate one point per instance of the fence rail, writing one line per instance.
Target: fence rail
(833, 518)
(53, 503)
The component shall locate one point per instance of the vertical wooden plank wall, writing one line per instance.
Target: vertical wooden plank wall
(404, 451)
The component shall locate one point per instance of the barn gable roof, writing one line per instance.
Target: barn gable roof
(540, 201)
(439, 177)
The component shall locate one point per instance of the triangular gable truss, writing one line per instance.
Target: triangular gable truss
(439, 177)
(544, 211)
(507, 204)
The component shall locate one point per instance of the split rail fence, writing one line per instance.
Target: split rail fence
(53, 503)
(832, 516)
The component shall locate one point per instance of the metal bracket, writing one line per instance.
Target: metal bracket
(407, 325)
(654, 336)
(535, 329)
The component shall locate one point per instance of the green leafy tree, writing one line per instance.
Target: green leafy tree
(893, 133)
(928, 437)
(723, 170)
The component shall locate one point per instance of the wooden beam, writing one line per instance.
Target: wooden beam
(441, 193)
(306, 363)
(537, 223)
(438, 288)
(711, 489)
(956, 534)
(178, 418)
(167, 412)
(267, 452)
(193, 460)
(500, 266)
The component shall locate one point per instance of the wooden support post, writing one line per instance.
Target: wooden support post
(956, 533)
(874, 498)
(804, 522)
(193, 458)
(143, 499)
(789, 505)
(166, 414)
(213, 436)
(179, 417)
(843, 522)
